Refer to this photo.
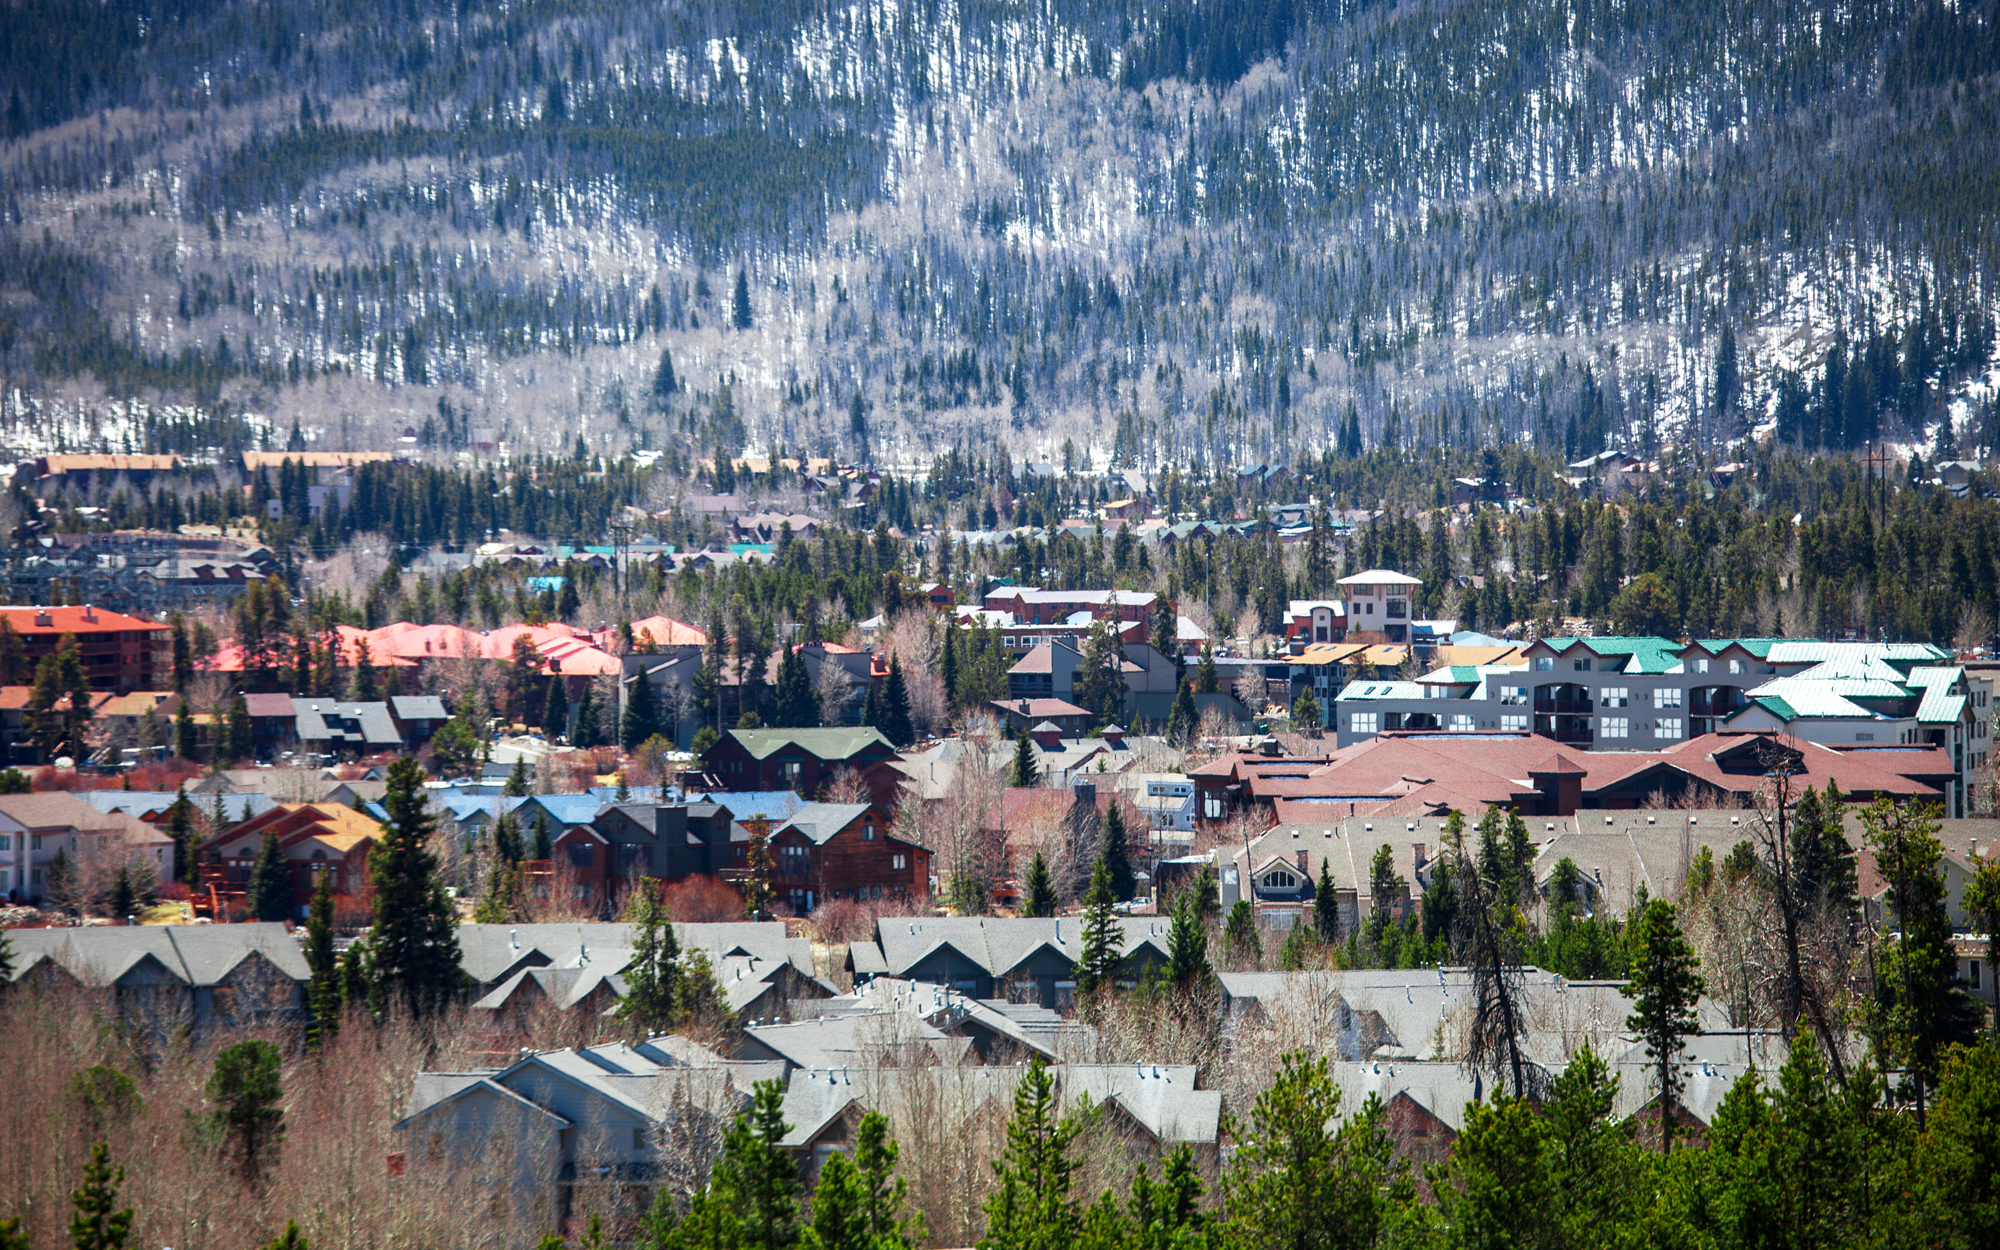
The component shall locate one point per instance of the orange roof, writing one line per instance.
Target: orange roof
(50, 465)
(255, 460)
(41, 622)
(668, 632)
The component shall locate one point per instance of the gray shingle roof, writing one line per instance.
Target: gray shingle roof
(198, 955)
(418, 707)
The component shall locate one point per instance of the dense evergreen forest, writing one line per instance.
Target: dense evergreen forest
(1245, 232)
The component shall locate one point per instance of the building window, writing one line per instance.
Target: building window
(1864, 737)
(579, 891)
(581, 855)
(35, 842)
(899, 862)
(788, 772)
(1211, 808)
(1461, 723)
(1736, 666)
(1280, 880)
(867, 833)
(1007, 642)
(1581, 665)
(1668, 727)
(6, 841)
(1701, 665)
(1545, 664)
(1617, 727)
(1514, 724)
(1614, 696)
(1514, 696)
(1665, 697)
(1364, 723)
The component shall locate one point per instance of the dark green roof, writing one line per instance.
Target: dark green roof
(826, 744)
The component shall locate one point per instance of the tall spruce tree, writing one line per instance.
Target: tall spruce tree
(1024, 772)
(323, 991)
(652, 979)
(1103, 942)
(413, 947)
(1030, 1207)
(641, 719)
(180, 827)
(1113, 846)
(1040, 897)
(1664, 987)
(795, 704)
(98, 1224)
(555, 708)
(270, 883)
(894, 708)
(756, 1175)
(248, 1123)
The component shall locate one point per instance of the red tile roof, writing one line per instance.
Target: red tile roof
(28, 621)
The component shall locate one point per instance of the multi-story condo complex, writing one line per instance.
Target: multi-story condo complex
(1611, 694)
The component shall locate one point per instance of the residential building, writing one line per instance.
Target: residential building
(316, 840)
(35, 828)
(1023, 713)
(119, 652)
(170, 983)
(992, 957)
(803, 760)
(335, 727)
(1378, 605)
(826, 851)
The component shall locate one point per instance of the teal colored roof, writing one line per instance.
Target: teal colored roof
(1941, 675)
(1452, 675)
(1808, 651)
(1940, 708)
(1809, 700)
(1643, 654)
(744, 549)
(1759, 647)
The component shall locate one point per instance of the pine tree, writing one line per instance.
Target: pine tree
(238, 722)
(1306, 716)
(894, 709)
(1041, 890)
(757, 893)
(1326, 906)
(954, 642)
(184, 736)
(98, 1224)
(413, 946)
(740, 304)
(1103, 939)
(1024, 773)
(544, 842)
(248, 1122)
(180, 827)
(1239, 936)
(641, 719)
(1208, 678)
(795, 703)
(756, 1176)
(1031, 1208)
(270, 883)
(653, 976)
(291, 1239)
(517, 779)
(1909, 1018)
(856, 1206)
(1112, 845)
(323, 991)
(1665, 987)
(555, 709)
(1182, 720)
(586, 734)
(1187, 946)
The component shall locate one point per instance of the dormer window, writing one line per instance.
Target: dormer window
(1279, 879)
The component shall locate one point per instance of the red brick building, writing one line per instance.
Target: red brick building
(836, 850)
(119, 652)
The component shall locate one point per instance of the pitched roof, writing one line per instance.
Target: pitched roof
(84, 620)
(197, 955)
(825, 744)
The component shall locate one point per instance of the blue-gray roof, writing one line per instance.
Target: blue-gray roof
(770, 804)
(237, 808)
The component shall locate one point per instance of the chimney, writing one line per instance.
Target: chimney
(89, 614)
(1305, 863)
(1420, 855)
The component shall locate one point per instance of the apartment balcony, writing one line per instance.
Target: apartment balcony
(1564, 707)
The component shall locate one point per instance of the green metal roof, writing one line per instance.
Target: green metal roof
(1814, 701)
(1759, 647)
(1940, 708)
(827, 744)
(1453, 675)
